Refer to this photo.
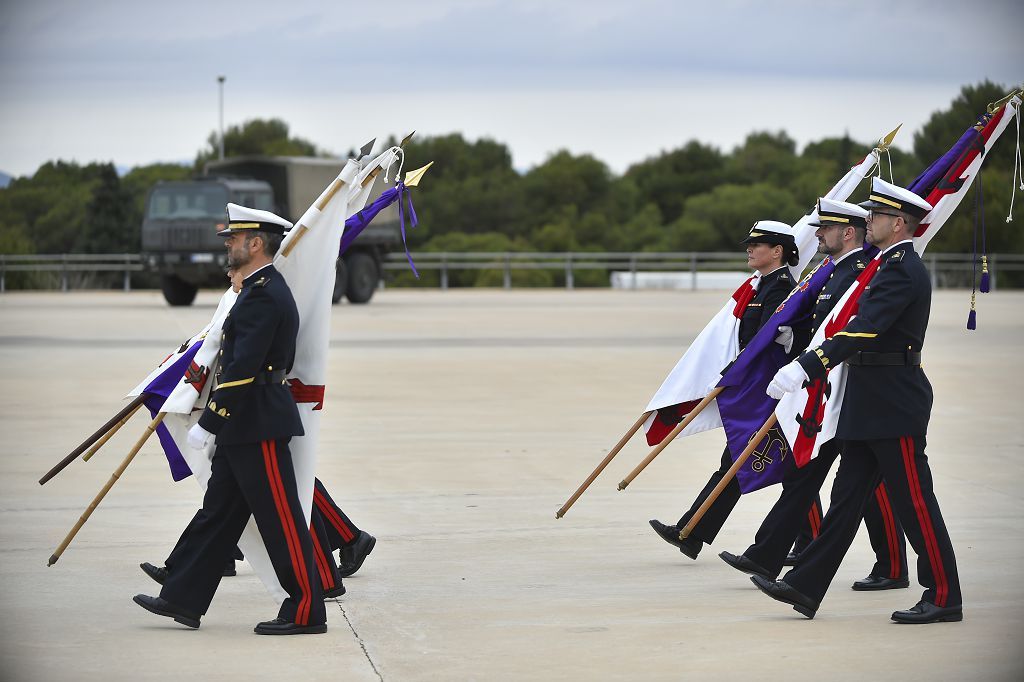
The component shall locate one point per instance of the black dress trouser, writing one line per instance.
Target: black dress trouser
(799, 502)
(322, 532)
(903, 466)
(339, 529)
(250, 479)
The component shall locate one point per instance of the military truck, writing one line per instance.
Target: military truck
(181, 221)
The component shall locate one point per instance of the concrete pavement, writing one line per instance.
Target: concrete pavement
(455, 425)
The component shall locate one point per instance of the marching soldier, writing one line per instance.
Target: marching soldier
(883, 421)
(840, 233)
(252, 414)
(330, 527)
(770, 248)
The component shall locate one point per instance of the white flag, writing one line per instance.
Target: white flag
(718, 344)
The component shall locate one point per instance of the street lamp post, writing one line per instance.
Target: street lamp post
(220, 82)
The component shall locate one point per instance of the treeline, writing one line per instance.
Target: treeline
(692, 197)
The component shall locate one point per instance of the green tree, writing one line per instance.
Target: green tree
(49, 207)
(471, 188)
(763, 157)
(721, 218)
(258, 136)
(107, 227)
(672, 177)
(566, 180)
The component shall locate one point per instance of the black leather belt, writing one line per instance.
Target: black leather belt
(275, 377)
(869, 359)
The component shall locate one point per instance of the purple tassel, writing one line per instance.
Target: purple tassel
(972, 320)
(984, 286)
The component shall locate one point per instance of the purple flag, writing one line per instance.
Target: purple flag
(924, 183)
(156, 393)
(743, 404)
(358, 222)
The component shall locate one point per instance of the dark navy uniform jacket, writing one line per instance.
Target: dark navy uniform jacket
(771, 291)
(247, 406)
(888, 401)
(842, 277)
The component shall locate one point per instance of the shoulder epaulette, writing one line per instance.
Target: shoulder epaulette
(897, 255)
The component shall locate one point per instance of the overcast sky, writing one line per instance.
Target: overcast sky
(134, 81)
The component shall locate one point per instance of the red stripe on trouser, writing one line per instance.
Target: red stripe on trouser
(284, 513)
(814, 519)
(307, 598)
(326, 579)
(932, 545)
(889, 524)
(328, 511)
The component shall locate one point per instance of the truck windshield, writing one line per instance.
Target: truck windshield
(187, 201)
(261, 200)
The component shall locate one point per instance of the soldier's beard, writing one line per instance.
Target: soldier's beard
(238, 259)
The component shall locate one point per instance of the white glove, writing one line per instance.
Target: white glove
(198, 437)
(786, 380)
(785, 338)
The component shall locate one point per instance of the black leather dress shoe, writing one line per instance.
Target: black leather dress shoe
(691, 546)
(926, 612)
(742, 563)
(338, 590)
(229, 569)
(162, 607)
(157, 574)
(781, 591)
(792, 559)
(353, 555)
(873, 582)
(280, 626)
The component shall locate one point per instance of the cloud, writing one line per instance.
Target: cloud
(84, 76)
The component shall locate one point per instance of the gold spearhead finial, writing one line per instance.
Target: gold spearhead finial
(884, 142)
(999, 104)
(413, 177)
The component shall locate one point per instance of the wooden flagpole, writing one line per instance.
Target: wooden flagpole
(729, 475)
(93, 438)
(671, 436)
(110, 434)
(600, 467)
(110, 483)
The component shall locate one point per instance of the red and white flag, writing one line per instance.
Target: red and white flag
(718, 344)
(809, 417)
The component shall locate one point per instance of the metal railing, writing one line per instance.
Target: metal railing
(947, 269)
(65, 265)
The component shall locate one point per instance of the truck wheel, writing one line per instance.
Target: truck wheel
(177, 291)
(340, 281)
(362, 277)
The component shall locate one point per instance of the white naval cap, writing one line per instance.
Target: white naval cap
(241, 218)
(887, 195)
(832, 212)
(771, 232)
